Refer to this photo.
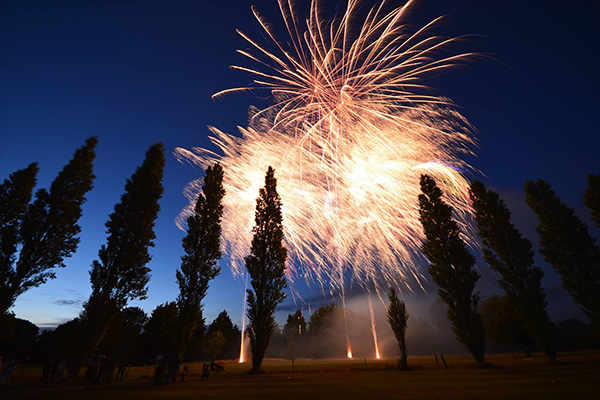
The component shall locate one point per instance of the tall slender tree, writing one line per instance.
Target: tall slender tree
(451, 268)
(591, 197)
(202, 246)
(36, 238)
(398, 318)
(266, 267)
(568, 247)
(15, 195)
(509, 253)
(122, 273)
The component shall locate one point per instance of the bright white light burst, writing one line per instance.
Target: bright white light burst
(350, 131)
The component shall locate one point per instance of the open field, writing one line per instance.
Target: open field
(577, 376)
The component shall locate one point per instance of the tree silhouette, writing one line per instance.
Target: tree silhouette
(122, 273)
(266, 267)
(294, 332)
(202, 246)
(123, 335)
(326, 331)
(506, 251)
(159, 332)
(36, 238)
(214, 344)
(568, 247)
(503, 325)
(591, 197)
(451, 268)
(230, 331)
(398, 318)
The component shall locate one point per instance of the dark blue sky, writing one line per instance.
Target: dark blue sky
(137, 72)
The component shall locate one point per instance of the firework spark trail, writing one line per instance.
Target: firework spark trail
(373, 326)
(350, 131)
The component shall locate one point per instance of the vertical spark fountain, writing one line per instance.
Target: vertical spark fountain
(349, 349)
(244, 320)
(373, 327)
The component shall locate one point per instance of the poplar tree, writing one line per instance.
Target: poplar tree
(591, 197)
(568, 247)
(266, 267)
(36, 237)
(122, 273)
(398, 318)
(15, 195)
(202, 246)
(451, 268)
(507, 252)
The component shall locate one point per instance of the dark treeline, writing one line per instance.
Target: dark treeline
(38, 232)
(140, 337)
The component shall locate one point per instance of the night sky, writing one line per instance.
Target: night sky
(137, 72)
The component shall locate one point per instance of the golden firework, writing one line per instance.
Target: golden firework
(350, 130)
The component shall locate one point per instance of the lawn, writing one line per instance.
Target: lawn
(577, 376)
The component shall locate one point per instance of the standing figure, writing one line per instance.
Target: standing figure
(159, 367)
(122, 368)
(46, 373)
(7, 370)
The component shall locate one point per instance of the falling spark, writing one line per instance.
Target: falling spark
(350, 130)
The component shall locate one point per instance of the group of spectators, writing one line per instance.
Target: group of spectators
(166, 368)
(53, 371)
(101, 369)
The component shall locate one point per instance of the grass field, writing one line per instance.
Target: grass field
(577, 376)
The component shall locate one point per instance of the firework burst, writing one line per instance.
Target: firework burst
(349, 131)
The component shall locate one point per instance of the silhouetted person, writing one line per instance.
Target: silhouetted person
(7, 369)
(159, 367)
(215, 366)
(205, 372)
(46, 373)
(173, 368)
(184, 374)
(101, 362)
(89, 373)
(110, 369)
(60, 369)
(73, 367)
(122, 368)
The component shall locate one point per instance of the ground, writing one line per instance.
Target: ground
(576, 376)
